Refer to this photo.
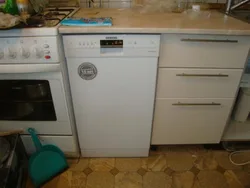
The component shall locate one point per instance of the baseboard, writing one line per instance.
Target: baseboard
(110, 152)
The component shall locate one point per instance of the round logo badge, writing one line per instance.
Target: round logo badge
(87, 71)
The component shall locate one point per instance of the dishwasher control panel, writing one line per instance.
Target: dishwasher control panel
(111, 45)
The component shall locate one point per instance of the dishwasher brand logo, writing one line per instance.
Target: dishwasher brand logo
(87, 71)
(111, 38)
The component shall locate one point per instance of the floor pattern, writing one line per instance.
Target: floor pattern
(168, 167)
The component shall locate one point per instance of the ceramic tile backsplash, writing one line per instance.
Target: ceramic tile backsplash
(106, 3)
(128, 3)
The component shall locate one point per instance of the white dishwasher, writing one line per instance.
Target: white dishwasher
(113, 80)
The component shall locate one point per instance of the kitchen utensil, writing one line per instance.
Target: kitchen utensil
(46, 162)
(4, 150)
(37, 90)
(7, 133)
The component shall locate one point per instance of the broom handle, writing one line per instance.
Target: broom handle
(7, 133)
(35, 139)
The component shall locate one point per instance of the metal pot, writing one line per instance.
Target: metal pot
(36, 91)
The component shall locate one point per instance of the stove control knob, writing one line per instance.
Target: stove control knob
(38, 53)
(46, 46)
(11, 53)
(24, 53)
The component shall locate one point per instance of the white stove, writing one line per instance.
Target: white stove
(32, 57)
(42, 24)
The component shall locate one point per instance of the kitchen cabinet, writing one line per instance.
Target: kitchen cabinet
(190, 121)
(198, 80)
(204, 51)
(190, 82)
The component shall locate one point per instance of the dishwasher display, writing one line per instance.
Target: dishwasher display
(111, 43)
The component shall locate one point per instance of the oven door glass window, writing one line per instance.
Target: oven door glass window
(26, 100)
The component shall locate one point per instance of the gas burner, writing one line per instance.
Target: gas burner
(60, 9)
(36, 21)
(49, 18)
(54, 13)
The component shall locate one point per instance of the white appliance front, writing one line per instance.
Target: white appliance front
(50, 73)
(114, 107)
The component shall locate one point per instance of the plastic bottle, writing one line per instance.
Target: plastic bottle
(11, 7)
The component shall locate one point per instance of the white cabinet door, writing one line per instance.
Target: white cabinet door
(190, 121)
(179, 50)
(197, 83)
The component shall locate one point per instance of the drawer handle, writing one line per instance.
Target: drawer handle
(203, 75)
(196, 104)
(209, 40)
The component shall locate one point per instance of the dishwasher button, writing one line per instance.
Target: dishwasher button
(46, 51)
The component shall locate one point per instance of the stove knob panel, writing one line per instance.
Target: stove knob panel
(38, 52)
(24, 53)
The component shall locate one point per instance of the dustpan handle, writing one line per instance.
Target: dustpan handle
(35, 138)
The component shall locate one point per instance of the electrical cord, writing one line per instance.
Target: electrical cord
(234, 152)
(237, 152)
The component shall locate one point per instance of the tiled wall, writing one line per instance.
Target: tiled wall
(128, 3)
(106, 3)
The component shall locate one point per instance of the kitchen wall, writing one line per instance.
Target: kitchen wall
(107, 3)
(129, 3)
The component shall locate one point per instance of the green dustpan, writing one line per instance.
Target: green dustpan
(47, 162)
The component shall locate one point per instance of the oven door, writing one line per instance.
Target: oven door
(33, 96)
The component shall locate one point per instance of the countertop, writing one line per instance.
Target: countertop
(132, 21)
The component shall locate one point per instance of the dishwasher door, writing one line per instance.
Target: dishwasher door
(113, 100)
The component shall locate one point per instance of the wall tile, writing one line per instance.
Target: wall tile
(108, 3)
(105, 4)
(122, 4)
(212, 1)
(129, 3)
(222, 1)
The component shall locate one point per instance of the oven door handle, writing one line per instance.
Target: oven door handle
(29, 68)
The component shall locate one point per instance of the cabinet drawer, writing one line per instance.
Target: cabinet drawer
(179, 50)
(190, 121)
(197, 83)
